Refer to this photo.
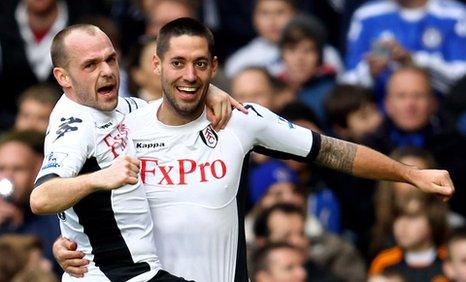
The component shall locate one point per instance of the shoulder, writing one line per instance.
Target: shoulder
(447, 9)
(127, 105)
(386, 259)
(375, 9)
(141, 115)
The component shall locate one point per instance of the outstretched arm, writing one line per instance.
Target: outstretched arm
(364, 162)
(58, 194)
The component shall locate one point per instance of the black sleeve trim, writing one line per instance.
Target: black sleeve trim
(129, 105)
(45, 178)
(316, 142)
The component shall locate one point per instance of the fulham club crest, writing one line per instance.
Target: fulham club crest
(209, 136)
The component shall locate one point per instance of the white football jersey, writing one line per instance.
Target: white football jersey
(113, 228)
(191, 174)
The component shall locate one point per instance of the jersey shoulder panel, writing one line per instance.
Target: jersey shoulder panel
(374, 9)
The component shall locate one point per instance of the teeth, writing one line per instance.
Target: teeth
(187, 89)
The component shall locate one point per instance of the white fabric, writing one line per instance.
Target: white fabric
(192, 183)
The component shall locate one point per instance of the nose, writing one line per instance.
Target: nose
(190, 74)
(106, 69)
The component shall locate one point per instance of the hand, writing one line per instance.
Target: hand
(124, 170)
(398, 53)
(70, 260)
(377, 64)
(219, 105)
(433, 181)
(10, 214)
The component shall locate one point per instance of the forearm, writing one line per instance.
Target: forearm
(360, 161)
(59, 194)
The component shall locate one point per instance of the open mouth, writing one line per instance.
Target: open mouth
(106, 89)
(187, 89)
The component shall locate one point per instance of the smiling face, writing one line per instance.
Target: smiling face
(91, 74)
(185, 69)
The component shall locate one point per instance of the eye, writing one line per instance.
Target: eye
(176, 63)
(202, 64)
(111, 60)
(89, 66)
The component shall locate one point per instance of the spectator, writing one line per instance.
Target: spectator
(26, 32)
(23, 254)
(352, 112)
(321, 199)
(386, 34)
(388, 276)
(419, 229)
(285, 223)
(142, 83)
(161, 12)
(20, 160)
(253, 84)
(412, 120)
(35, 105)
(390, 194)
(301, 46)
(278, 262)
(454, 265)
(269, 18)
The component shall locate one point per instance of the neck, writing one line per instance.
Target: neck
(412, 4)
(170, 116)
(43, 21)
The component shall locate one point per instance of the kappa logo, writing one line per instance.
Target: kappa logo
(105, 126)
(143, 145)
(209, 136)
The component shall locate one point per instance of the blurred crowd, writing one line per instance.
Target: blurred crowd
(389, 74)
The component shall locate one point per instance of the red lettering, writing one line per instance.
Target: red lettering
(214, 171)
(144, 169)
(183, 171)
(202, 168)
(166, 174)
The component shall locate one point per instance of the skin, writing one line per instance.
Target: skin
(285, 265)
(91, 75)
(187, 64)
(163, 12)
(252, 86)
(412, 232)
(144, 75)
(363, 121)
(455, 266)
(184, 65)
(270, 18)
(33, 115)
(301, 62)
(19, 164)
(409, 102)
(402, 188)
(288, 228)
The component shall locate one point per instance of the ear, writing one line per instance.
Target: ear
(62, 77)
(214, 66)
(157, 64)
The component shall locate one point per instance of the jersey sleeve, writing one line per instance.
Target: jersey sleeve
(269, 134)
(68, 144)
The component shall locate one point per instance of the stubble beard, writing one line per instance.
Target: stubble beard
(190, 110)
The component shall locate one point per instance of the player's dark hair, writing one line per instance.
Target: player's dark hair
(304, 27)
(58, 51)
(260, 258)
(261, 227)
(343, 100)
(31, 138)
(183, 26)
